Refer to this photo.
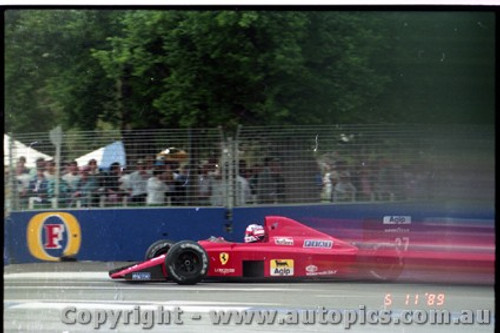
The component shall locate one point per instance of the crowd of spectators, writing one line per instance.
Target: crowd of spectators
(377, 180)
(152, 182)
(149, 182)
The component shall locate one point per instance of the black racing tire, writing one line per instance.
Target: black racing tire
(157, 248)
(385, 268)
(187, 262)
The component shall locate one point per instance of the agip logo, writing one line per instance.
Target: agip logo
(53, 235)
(281, 267)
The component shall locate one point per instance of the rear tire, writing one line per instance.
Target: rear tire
(387, 268)
(157, 248)
(186, 262)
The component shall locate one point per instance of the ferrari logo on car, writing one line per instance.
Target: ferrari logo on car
(224, 257)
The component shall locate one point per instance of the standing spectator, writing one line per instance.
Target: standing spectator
(23, 178)
(253, 180)
(93, 168)
(243, 194)
(243, 170)
(363, 182)
(21, 163)
(138, 184)
(39, 164)
(270, 183)
(149, 165)
(38, 187)
(326, 193)
(217, 191)
(50, 170)
(112, 189)
(383, 185)
(124, 181)
(168, 178)
(204, 184)
(72, 177)
(98, 178)
(181, 177)
(23, 181)
(156, 188)
(64, 195)
(344, 189)
(86, 186)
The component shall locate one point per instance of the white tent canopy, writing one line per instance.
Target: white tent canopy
(105, 156)
(19, 149)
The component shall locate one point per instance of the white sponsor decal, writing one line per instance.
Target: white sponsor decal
(322, 273)
(283, 241)
(141, 276)
(224, 270)
(318, 243)
(398, 229)
(311, 268)
(397, 219)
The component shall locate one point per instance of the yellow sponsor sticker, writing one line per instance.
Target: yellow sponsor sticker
(281, 267)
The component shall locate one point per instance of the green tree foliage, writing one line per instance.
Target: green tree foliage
(442, 66)
(50, 74)
(143, 69)
(191, 68)
(139, 69)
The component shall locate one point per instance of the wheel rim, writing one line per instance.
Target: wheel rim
(187, 263)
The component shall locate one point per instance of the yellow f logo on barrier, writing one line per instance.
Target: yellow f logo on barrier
(43, 235)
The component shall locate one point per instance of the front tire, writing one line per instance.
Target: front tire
(159, 247)
(186, 262)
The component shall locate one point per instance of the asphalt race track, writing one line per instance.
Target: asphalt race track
(39, 297)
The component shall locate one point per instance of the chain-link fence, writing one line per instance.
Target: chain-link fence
(252, 166)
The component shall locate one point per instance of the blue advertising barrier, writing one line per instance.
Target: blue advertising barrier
(124, 234)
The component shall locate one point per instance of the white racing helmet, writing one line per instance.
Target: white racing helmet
(254, 233)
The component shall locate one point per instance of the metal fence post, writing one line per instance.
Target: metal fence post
(56, 139)
(13, 197)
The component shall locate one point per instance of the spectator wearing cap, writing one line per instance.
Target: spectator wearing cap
(138, 184)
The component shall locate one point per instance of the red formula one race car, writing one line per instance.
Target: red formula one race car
(283, 248)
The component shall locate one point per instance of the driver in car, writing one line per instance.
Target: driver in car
(254, 233)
